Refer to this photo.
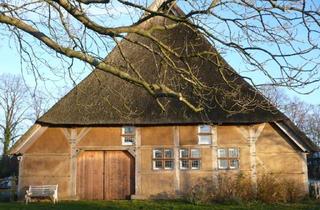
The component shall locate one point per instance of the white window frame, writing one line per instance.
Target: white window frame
(130, 135)
(228, 158)
(168, 168)
(163, 159)
(182, 167)
(195, 168)
(202, 134)
(154, 165)
(189, 159)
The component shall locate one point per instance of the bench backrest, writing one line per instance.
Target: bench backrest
(43, 190)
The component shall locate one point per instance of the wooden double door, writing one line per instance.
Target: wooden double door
(105, 175)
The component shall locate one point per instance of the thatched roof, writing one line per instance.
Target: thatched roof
(102, 99)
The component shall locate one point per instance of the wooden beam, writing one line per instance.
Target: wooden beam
(214, 149)
(176, 142)
(137, 164)
(82, 133)
(31, 139)
(305, 171)
(254, 133)
(73, 163)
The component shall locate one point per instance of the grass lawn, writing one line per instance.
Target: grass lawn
(149, 205)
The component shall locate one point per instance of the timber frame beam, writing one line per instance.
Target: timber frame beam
(74, 138)
(252, 133)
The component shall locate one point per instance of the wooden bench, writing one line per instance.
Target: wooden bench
(42, 191)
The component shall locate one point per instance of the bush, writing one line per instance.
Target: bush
(226, 188)
(273, 190)
(231, 188)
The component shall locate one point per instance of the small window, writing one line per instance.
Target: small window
(195, 164)
(157, 164)
(234, 164)
(168, 153)
(168, 164)
(222, 153)
(163, 159)
(204, 134)
(195, 153)
(223, 164)
(184, 153)
(184, 164)
(157, 153)
(204, 129)
(128, 135)
(190, 159)
(228, 158)
(233, 152)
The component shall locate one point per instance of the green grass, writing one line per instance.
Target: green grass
(159, 205)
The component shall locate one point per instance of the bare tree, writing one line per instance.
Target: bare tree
(305, 116)
(277, 39)
(13, 107)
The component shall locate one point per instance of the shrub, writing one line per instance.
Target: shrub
(273, 190)
(225, 188)
(230, 188)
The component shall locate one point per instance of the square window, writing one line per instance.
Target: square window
(204, 129)
(184, 153)
(184, 164)
(168, 164)
(234, 164)
(204, 139)
(168, 153)
(128, 130)
(233, 152)
(157, 164)
(127, 140)
(157, 153)
(195, 153)
(222, 153)
(223, 164)
(195, 164)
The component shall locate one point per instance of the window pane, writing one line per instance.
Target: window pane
(195, 153)
(128, 140)
(157, 153)
(184, 164)
(195, 164)
(184, 153)
(204, 139)
(168, 153)
(234, 163)
(222, 153)
(204, 129)
(157, 164)
(168, 164)
(128, 130)
(233, 152)
(223, 164)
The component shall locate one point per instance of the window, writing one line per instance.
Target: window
(228, 158)
(190, 159)
(128, 135)
(163, 159)
(204, 134)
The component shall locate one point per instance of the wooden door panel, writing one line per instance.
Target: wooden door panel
(119, 175)
(90, 175)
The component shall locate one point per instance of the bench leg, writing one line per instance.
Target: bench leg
(28, 199)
